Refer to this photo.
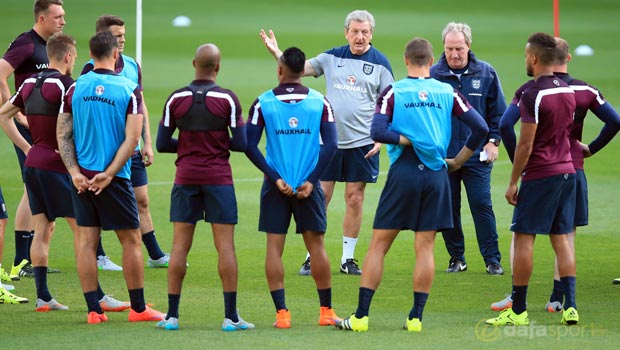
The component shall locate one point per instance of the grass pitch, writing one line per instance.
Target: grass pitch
(458, 303)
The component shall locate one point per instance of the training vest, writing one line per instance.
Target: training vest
(198, 117)
(99, 104)
(293, 135)
(36, 104)
(423, 114)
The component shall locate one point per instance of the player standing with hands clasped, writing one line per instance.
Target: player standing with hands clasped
(295, 119)
(355, 75)
(413, 118)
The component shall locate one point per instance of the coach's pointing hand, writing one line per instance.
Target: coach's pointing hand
(271, 43)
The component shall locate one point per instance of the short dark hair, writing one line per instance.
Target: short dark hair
(419, 52)
(543, 46)
(44, 5)
(561, 51)
(294, 59)
(106, 21)
(58, 45)
(102, 44)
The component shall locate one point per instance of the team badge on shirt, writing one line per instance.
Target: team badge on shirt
(99, 90)
(293, 122)
(475, 84)
(368, 68)
(423, 95)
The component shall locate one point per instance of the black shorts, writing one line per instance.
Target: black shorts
(545, 205)
(212, 203)
(414, 197)
(349, 165)
(115, 208)
(49, 193)
(138, 171)
(276, 210)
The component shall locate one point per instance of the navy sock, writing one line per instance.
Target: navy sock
(40, 281)
(173, 305)
(100, 251)
(419, 300)
(92, 302)
(21, 246)
(278, 299)
(569, 286)
(557, 294)
(136, 297)
(100, 293)
(325, 297)
(150, 242)
(30, 239)
(363, 302)
(519, 297)
(230, 306)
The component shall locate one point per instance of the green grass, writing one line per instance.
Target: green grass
(457, 302)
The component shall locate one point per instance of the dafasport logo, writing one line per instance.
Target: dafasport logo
(488, 334)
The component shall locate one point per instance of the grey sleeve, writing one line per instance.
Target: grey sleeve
(386, 79)
(317, 64)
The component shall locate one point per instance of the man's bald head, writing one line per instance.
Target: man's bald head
(207, 58)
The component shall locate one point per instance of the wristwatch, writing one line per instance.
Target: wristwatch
(495, 141)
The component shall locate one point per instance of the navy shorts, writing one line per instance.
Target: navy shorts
(3, 213)
(21, 156)
(276, 210)
(138, 171)
(414, 197)
(545, 205)
(49, 193)
(349, 165)
(115, 208)
(216, 204)
(581, 200)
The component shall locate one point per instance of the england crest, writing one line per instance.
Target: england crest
(423, 95)
(475, 84)
(293, 122)
(368, 68)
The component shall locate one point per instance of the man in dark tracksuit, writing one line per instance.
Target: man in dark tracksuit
(479, 83)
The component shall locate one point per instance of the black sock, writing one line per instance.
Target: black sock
(92, 302)
(100, 293)
(363, 302)
(557, 294)
(519, 297)
(278, 299)
(40, 281)
(150, 242)
(173, 305)
(30, 239)
(569, 286)
(325, 297)
(21, 246)
(100, 251)
(230, 306)
(419, 301)
(136, 297)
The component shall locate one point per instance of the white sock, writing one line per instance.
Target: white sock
(307, 255)
(348, 248)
